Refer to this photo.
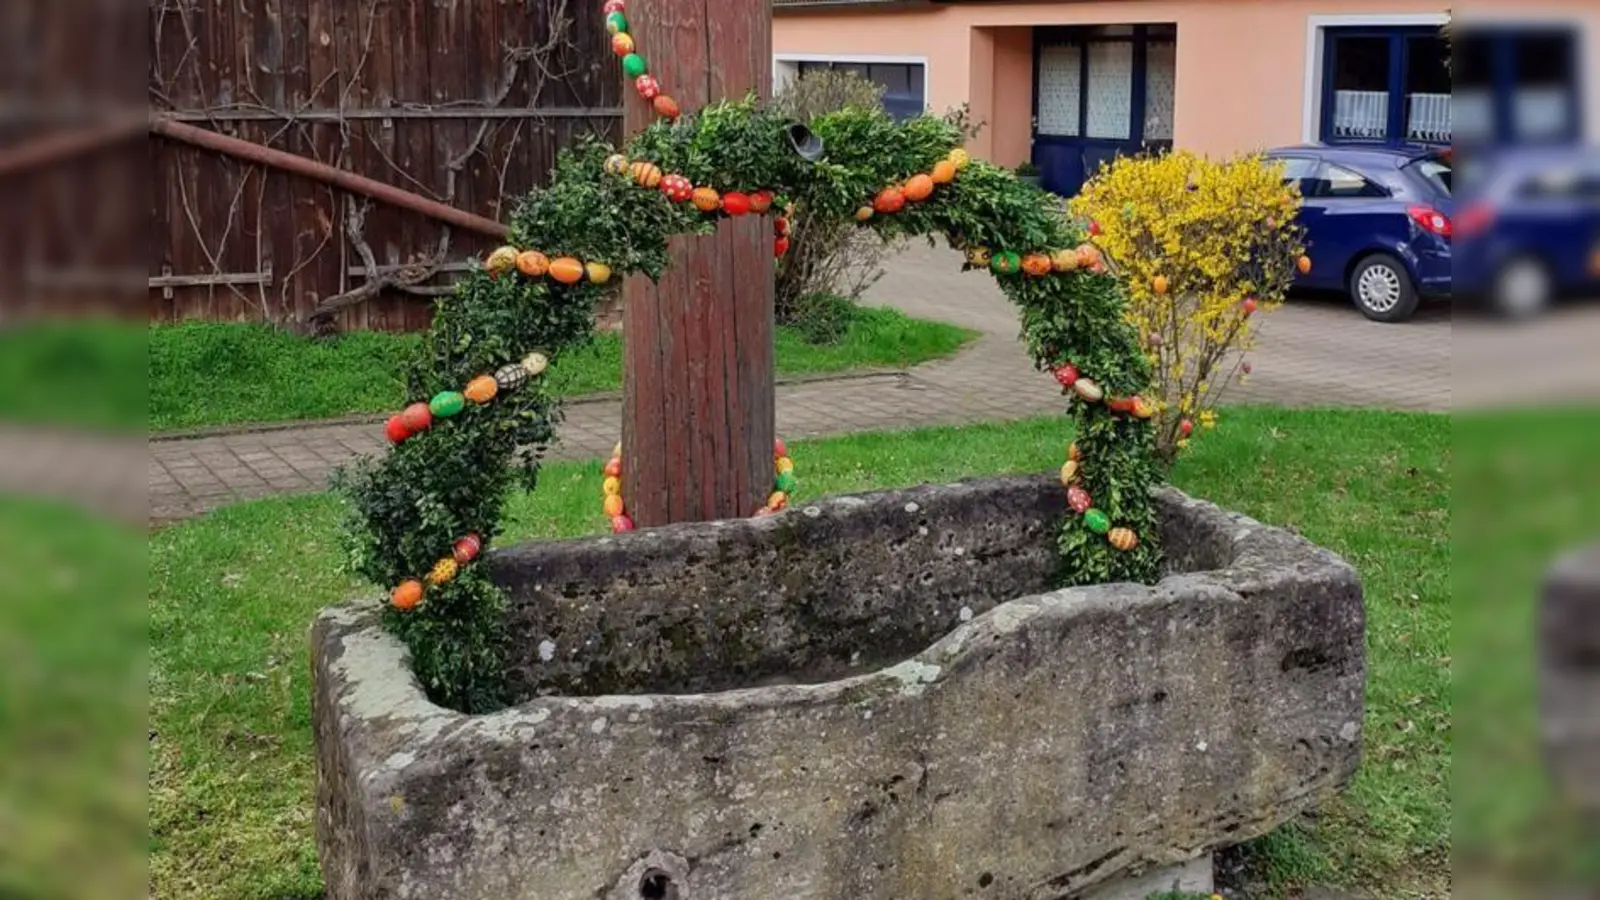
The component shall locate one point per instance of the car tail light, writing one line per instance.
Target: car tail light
(1475, 219)
(1431, 220)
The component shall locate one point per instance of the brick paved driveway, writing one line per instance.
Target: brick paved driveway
(1312, 352)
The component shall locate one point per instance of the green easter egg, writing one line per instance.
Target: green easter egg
(787, 482)
(1005, 263)
(617, 23)
(1097, 521)
(633, 65)
(447, 404)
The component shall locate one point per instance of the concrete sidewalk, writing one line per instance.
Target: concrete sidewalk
(1312, 353)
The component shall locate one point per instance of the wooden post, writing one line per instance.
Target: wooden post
(698, 408)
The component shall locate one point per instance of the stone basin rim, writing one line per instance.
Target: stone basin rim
(1259, 552)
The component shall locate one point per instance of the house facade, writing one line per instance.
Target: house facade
(1070, 84)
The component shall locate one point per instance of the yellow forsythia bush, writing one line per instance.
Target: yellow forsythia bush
(1203, 247)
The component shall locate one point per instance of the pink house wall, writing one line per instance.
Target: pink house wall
(1241, 64)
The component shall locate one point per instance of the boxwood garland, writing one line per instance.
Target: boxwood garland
(408, 510)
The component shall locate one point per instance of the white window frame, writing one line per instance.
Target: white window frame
(1316, 26)
(786, 66)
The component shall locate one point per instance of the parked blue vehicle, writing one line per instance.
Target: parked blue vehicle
(1529, 228)
(1378, 223)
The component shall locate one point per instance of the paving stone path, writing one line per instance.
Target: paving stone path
(1312, 353)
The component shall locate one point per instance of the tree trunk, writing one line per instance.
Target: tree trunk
(698, 409)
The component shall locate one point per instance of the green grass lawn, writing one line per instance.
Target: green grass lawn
(231, 595)
(87, 373)
(209, 374)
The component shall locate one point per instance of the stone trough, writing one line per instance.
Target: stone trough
(869, 698)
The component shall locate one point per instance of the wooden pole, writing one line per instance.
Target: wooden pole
(698, 408)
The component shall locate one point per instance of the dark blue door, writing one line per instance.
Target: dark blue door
(1099, 93)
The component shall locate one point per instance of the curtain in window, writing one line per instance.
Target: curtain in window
(1161, 82)
(1060, 89)
(1110, 107)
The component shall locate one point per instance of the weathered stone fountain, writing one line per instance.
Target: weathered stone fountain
(1569, 675)
(869, 698)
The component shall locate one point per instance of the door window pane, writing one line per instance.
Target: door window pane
(1542, 102)
(1161, 70)
(1060, 89)
(1361, 87)
(1110, 90)
(1427, 89)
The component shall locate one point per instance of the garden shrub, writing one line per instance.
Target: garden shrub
(1203, 246)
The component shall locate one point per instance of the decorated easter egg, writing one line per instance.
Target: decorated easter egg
(535, 363)
(919, 188)
(407, 596)
(889, 200)
(665, 107)
(417, 417)
(647, 86)
(444, 570)
(503, 259)
(1123, 539)
(622, 44)
(446, 404)
(532, 263)
(735, 203)
(1096, 521)
(707, 199)
(467, 549)
(566, 270)
(1078, 500)
(481, 389)
(616, 164)
(1066, 374)
(511, 376)
(959, 158)
(395, 429)
(1088, 391)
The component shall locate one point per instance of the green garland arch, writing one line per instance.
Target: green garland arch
(446, 486)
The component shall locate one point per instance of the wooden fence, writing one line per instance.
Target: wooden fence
(465, 102)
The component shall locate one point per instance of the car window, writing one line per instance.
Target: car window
(1300, 171)
(1563, 183)
(1337, 181)
(1436, 172)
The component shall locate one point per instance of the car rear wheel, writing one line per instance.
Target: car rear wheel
(1382, 290)
(1522, 288)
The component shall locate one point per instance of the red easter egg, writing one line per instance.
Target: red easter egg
(417, 417)
(396, 429)
(1078, 500)
(467, 549)
(647, 86)
(760, 201)
(779, 451)
(622, 523)
(1094, 228)
(614, 6)
(780, 246)
(736, 204)
(1066, 374)
(1120, 404)
(780, 226)
(614, 469)
(1186, 428)
(1250, 306)
(666, 107)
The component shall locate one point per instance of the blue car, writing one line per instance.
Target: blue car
(1529, 227)
(1378, 223)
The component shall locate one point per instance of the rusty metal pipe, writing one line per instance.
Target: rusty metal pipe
(310, 168)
